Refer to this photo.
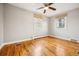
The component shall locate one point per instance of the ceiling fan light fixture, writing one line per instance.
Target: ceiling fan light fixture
(46, 8)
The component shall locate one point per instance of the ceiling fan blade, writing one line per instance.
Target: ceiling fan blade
(50, 3)
(45, 4)
(41, 8)
(44, 11)
(52, 8)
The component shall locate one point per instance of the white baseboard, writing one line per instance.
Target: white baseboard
(68, 39)
(60, 37)
(34, 38)
(14, 42)
(40, 36)
(21, 40)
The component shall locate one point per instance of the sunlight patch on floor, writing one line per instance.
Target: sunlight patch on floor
(60, 50)
(38, 50)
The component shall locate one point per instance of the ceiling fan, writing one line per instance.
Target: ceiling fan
(47, 6)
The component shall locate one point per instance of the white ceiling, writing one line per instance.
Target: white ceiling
(60, 7)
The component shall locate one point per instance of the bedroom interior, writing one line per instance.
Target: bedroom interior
(39, 29)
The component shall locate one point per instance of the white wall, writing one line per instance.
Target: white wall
(71, 30)
(19, 24)
(73, 25)
(40, 27)
(1, 23)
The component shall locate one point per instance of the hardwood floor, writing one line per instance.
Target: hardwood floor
(46, 46)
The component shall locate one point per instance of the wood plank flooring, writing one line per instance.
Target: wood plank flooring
(46, 46)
